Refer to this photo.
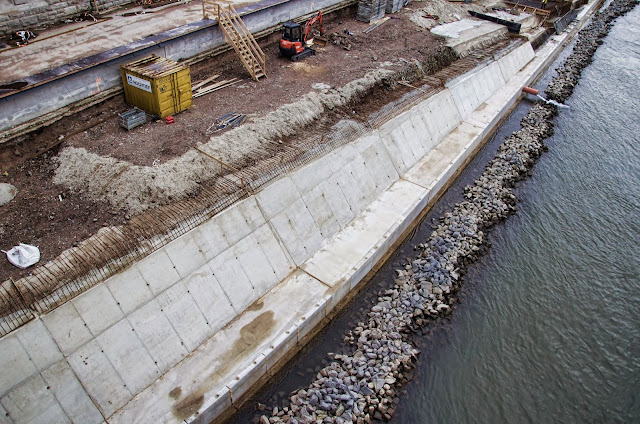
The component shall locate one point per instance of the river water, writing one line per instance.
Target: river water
(548, 330)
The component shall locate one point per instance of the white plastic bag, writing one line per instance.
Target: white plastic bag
(24, 255)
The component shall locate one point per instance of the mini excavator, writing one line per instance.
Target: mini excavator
(293, 43)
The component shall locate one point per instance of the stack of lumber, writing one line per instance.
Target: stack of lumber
(371, 10)
(198, 89)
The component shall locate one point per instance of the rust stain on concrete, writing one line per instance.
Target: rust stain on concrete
(256, 306)
(251, 334)
(176, 392)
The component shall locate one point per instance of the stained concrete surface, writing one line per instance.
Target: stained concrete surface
(55, 47)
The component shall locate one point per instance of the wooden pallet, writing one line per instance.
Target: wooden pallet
(530, 9)
(238, 35)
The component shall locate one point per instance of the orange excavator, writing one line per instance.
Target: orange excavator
(293, 43)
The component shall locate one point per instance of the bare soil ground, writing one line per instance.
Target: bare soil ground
(54, 218)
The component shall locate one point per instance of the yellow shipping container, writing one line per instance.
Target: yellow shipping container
(157, 85)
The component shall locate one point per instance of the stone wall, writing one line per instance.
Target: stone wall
(34, 15)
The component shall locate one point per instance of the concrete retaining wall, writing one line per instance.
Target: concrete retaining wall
(185, 332)
(29, 15)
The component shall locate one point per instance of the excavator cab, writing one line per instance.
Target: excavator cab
(292, 44)
(294, 38)
(292, 32)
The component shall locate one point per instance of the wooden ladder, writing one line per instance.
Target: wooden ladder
(243, 42)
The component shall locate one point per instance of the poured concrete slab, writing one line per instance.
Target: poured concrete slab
(221, 363)
(465, 34)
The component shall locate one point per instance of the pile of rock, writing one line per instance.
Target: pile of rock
(588, 41)
(360, 386)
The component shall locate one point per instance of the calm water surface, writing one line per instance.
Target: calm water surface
(549, 326)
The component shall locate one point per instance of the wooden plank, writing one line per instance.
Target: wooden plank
(202, 93)
(201, 83)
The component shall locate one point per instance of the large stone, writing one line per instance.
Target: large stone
(7, 193)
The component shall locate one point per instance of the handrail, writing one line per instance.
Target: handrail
(240, 37)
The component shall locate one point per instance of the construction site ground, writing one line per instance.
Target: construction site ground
(55, 218)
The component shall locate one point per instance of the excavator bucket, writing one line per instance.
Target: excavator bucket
(320, 41)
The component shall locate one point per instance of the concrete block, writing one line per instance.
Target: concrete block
(251, 212)
(364, 180)
(411, 137)
(185, 316)
(279, 259)
(99, 378)
(158, 336)
(287, 233)
(71, 395)
(210, 239)
(129, 289)
(32, 402)
(39, 344)
(395, 154)
(350, 189)
(128, 356)
(444, 112)
(67, 328)
(341, 156)
(310, 176)
(424, 137)
(255, 264)
(14, 363)
(321, 212)
(212, 407)
(337, 201)
(305, 227)
(277, 196)
(340, 289)
(311, 319)
(365, 142)
(233, 224)
(404, 148)
(380, 165)
(247, 378)
(235, 283)
(280, 345)
(98, 309)
(185, 254)
(210, 298)
(158, 271)
(429, 118)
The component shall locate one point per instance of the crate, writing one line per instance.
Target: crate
(158, 85)
(132, 118)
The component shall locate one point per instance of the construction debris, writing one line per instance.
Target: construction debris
(232, 120)
(214, 87)
(375, 25)
(23, 256)
(201, 83)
